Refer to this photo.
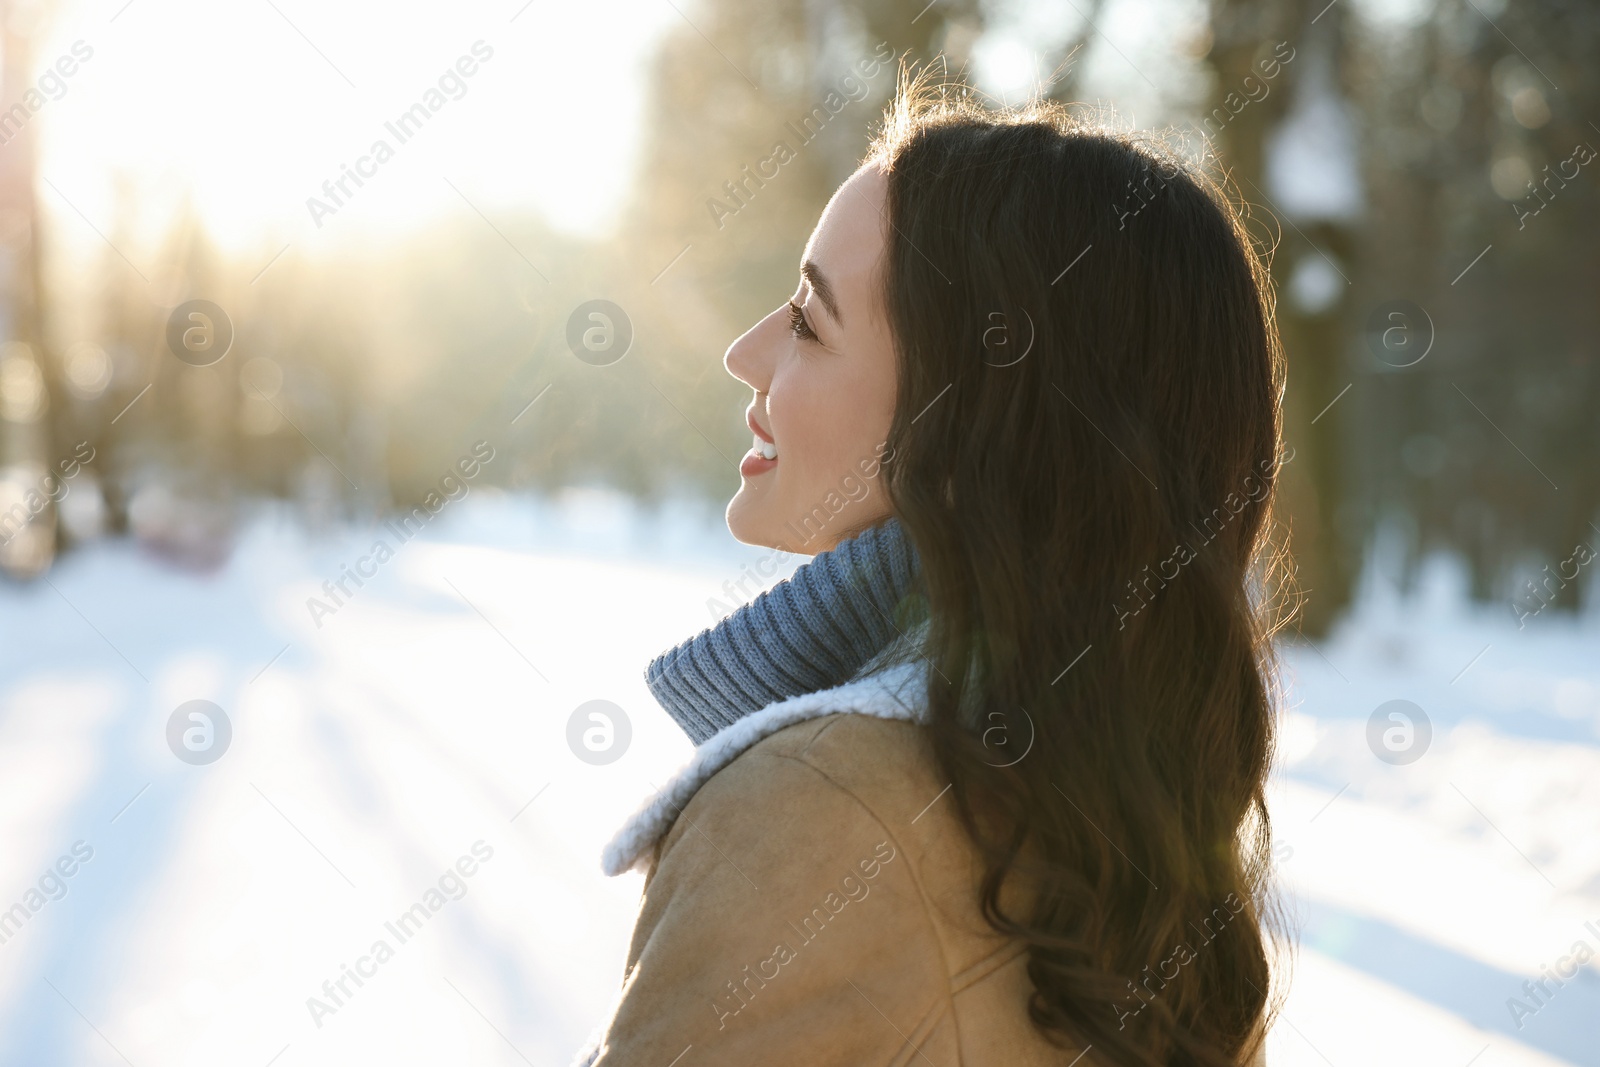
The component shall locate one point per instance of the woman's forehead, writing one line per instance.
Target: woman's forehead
(849, 239)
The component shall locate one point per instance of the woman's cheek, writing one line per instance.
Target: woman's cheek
(792, 416)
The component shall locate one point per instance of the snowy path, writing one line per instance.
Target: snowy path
(428, 715)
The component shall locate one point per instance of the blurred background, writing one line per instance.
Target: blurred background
(276, 275)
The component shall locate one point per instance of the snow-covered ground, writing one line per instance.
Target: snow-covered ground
(423, 723)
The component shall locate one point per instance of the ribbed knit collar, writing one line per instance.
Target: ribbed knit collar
(813, 631)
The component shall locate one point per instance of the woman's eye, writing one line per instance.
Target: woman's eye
(798, 324)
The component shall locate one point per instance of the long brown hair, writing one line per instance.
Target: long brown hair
(1085, 443)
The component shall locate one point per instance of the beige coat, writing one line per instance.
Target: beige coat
(811, 900)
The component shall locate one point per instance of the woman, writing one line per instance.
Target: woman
(983, 783)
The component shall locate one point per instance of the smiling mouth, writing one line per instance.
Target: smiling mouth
(763, 454)
(762, 457)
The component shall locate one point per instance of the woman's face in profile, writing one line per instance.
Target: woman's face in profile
(823, 370)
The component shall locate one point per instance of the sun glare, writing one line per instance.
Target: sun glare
(282, 121)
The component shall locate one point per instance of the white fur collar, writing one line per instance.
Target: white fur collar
(891, 694)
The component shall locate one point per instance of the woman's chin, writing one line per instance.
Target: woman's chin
(750, 522)
(755, 519)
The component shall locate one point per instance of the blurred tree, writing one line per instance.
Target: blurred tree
(27, 381)
(1481, 146)
(1279, 119)
(1451, 332)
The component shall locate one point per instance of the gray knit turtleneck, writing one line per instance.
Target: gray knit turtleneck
(813, 631)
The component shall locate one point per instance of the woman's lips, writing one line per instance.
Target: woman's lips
(755, 463)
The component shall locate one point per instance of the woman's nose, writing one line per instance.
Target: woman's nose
(750, 358)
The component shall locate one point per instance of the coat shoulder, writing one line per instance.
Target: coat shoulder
(887, 764)
(884, 765)
(816, 884)
(835, 767)
(783, 919)
(879, 771)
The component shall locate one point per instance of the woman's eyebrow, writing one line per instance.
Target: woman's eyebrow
(819, 285)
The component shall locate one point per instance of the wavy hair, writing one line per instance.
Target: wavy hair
(1086, 442)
